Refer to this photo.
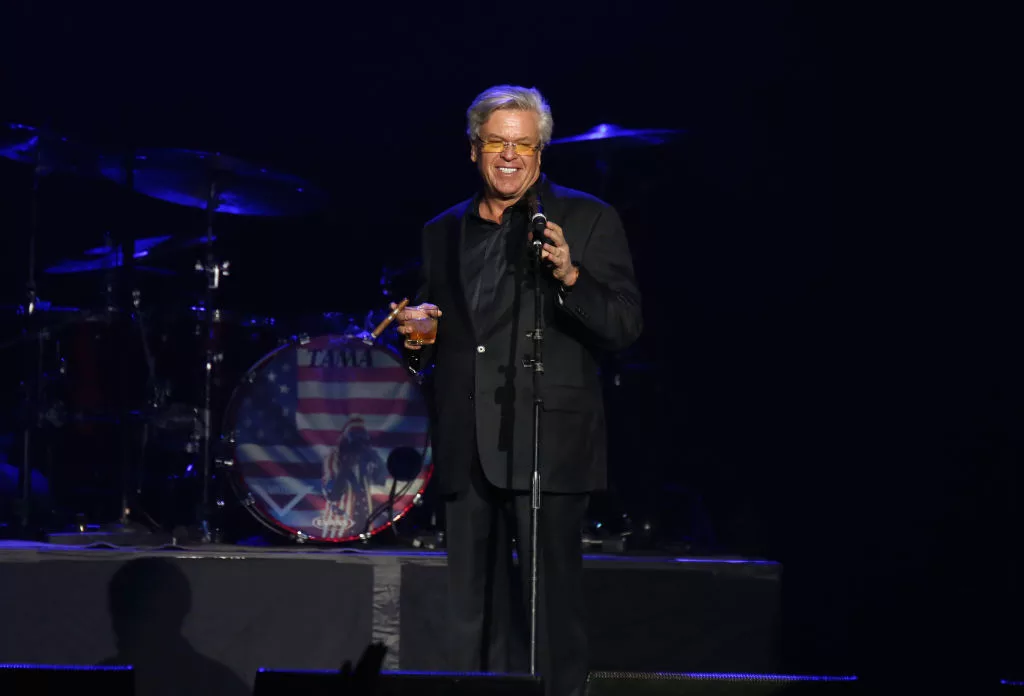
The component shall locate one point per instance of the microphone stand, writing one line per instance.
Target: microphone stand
(537, 225)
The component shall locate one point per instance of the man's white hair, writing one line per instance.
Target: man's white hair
(510, 97)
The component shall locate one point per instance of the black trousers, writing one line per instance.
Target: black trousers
(489, 595)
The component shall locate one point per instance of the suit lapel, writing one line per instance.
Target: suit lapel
(455, 238)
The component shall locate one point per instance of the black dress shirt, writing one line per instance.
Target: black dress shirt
(491, 253)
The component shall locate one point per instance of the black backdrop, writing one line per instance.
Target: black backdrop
(774, 380)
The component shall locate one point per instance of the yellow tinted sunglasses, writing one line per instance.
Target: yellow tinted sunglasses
(496, 146)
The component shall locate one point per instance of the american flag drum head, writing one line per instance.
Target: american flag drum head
(319, 427)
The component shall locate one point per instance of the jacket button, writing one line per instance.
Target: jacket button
(471, 396)
(481, 349)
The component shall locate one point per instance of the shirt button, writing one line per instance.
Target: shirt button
(481, 349)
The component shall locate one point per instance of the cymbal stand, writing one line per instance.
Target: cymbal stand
(33, 385)
(125, 268)
(214, 270)
(123, 292)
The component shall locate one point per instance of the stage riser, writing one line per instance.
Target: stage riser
(652, 686)
(290, 683)
(282, 683)
(245, 613)
(61, 681)
(312, 612)
(640, 620)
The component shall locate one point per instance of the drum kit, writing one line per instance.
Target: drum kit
(171, 415)
(156, 418)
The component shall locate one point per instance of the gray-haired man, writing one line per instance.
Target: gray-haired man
(476, 270)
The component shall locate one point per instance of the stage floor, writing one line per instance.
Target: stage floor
(311, 608)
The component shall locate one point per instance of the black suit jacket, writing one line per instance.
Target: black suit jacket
(481, 396)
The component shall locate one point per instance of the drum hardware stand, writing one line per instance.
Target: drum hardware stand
(150, 406)
(153, 399)
(122, 302)
(32, 416)
(430, 540)
(389, 505)
(212, 358)
(536, 363)
(125, 268)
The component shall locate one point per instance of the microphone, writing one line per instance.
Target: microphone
(538, 220)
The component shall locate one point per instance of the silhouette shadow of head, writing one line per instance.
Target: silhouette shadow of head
(148, 600)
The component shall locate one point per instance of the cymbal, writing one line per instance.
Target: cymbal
(43, 148)
(623, 137)
(108, 257)
(184, 177)
(42, 306)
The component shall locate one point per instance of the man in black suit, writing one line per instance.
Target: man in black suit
(478, 285)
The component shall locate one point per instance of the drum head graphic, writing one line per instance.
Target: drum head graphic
(325, 434)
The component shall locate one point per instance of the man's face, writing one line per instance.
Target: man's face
(508, 174)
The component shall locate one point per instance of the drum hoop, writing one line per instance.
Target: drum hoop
(237, 479)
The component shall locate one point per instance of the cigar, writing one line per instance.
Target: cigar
(389, 318)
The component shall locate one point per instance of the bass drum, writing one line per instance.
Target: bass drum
(328, 439)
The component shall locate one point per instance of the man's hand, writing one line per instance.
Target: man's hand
(409, 314)
(556, 250)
